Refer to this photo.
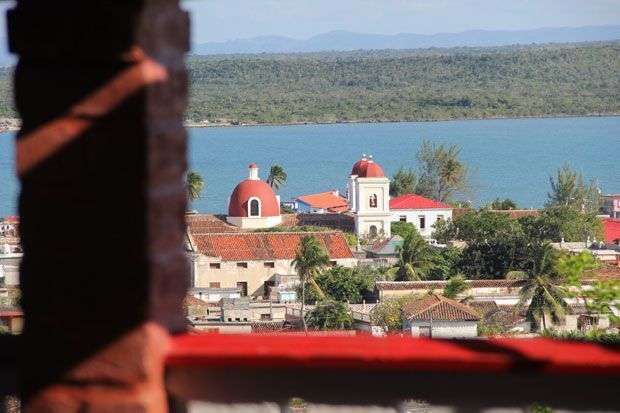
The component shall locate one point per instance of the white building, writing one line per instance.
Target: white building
(369, 199)
(419, 211)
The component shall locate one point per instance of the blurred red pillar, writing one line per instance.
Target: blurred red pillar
(101, 89)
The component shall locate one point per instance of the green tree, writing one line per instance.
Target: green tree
(503, 204)
(569, 190)
(310, 259)
(195, 185)
(403, 229)
(346, 284)
(414, 257)
(388, 313)
(543, 292)
(455, 286)
(442, 174)
(277, 177)
(403, 182)
(329, 315)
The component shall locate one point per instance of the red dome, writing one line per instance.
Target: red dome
(251, 188)
(372, 170)
(359, 166)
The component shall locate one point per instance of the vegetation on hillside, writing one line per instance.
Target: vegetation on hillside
(403, 85)
(429, 84)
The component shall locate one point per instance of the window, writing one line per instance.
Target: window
(243, 288)
(242, 265)
(215, 266)
(333, 263)
(270, 264)
(422, 219)
(403, 218)
(214, 285)
(254, 207)
(373, 231)
(265, 317)
(373, 201)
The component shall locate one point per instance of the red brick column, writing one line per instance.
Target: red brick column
(101, 89)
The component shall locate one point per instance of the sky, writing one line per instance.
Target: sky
(221, 20)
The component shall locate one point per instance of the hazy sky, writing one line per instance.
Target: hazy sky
(218, 20)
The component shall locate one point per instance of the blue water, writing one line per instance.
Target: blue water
(509, 158)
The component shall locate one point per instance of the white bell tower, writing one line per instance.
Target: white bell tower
(369, 199)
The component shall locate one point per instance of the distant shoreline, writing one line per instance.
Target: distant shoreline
(200, 125)
(13, 124)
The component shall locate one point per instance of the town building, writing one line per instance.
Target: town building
(611, 205)
(251, 261)
(611, 230)
(369, 199)
(440, 317)
(422, 212)
(253, 204)
(321, 203)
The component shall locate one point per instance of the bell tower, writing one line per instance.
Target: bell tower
(369, 198)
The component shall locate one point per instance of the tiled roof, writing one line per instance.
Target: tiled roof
(325, 200)
(605, 272)
(437, 307)
(267, 245)
(611, 228)
(387, 246)
(428, 285)
(413, 201)
(205, 224)
(190, 300)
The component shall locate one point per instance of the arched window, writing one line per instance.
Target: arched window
(254, 207)
(373, 231)
(373, 201)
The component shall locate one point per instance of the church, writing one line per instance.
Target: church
(242, 253)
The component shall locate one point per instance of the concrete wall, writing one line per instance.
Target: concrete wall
(443, 329)
(255, 275)
(431, 216)
(10, 267)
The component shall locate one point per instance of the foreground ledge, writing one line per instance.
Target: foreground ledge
(383, 371)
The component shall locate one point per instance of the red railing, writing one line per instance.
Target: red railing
(369, 370)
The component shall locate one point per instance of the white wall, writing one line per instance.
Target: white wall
(256, 273)
(413, 216)
(444, 329)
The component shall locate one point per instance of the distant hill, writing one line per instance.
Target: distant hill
(347, 41)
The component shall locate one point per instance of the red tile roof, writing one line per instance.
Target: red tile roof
(326, 200)
(611, 228)
(204, 224)
(413, 201)
(428, 285)
(440, 308)
(266, 245)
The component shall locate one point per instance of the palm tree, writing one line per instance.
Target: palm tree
(277, 177)
(455, 286)
(310, 258)
(543, 288)
(195, 185)
(413, 258)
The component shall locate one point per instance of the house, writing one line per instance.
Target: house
(611, 230)
(12, 320)
(321, 203)
(386, 249)
(420, 211)
(249, 260)
(502, 292)
(440, 317)
(9, 226)
(611, 205)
